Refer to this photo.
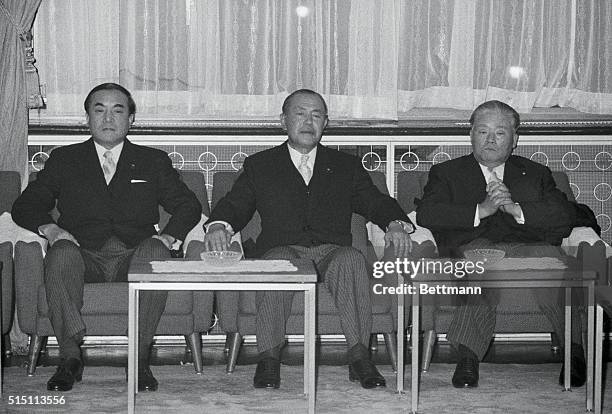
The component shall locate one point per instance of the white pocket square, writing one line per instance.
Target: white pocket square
(138, 181)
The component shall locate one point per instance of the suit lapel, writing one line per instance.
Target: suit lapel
(323, 170)
(123, 174)
(475, 177)
(286, 168)
(92, 170)
(513, 171)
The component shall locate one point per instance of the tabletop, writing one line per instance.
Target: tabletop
(142, 271)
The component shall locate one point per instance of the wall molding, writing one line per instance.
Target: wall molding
(335, 128)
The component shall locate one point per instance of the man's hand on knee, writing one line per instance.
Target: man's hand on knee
(53, 233)
(166, 239)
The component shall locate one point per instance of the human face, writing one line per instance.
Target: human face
(304, 121)
(108, 117)
(493, 138)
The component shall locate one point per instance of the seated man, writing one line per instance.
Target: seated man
(108, 193)
(306, 194)
(491, 198)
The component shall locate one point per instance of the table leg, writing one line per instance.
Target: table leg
(568, 339)
(309, 346)
(590, 345)
(132, 346)
(414, 352)
(399, 375)
(598, 359)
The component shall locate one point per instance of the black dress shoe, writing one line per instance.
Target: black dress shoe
(466, 372)
(578, 368)
(267, 373)
(67, 373)
(146, 380)
(364, 371)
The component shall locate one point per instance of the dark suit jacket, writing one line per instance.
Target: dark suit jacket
(295, 214)
(455, 187)
(92, 211)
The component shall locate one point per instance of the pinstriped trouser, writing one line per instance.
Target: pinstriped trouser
(68, 267)
(474, 323)
(343, 271)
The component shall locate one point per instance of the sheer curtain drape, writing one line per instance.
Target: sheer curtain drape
(225, 59)
(16, 17)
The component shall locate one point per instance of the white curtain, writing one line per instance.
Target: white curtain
(238, 59)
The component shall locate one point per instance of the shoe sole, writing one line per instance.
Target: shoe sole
(78, 378)
(354, 378)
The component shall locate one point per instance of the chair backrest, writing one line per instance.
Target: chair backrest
(224, 180)
(10, 187)
(410, 185)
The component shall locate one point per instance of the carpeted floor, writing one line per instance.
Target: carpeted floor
(504, 388)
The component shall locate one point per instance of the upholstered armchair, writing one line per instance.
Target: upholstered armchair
(10, 187)
(105, 305)
(517, 311)
(237, 310)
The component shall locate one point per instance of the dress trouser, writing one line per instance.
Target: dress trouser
(474, 322)
(68, 267)
(342, 270)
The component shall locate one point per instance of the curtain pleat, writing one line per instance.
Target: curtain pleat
(16, 17)
(227, 59)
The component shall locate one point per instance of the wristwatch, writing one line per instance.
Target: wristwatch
(408, 227)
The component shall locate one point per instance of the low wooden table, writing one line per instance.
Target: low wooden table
(142, 277)
(569, 277)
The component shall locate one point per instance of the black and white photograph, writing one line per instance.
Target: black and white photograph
(306, 206)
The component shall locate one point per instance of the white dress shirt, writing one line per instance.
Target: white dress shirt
(116, 151)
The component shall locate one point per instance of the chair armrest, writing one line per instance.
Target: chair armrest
(29, 276)
(6, 257)
(578, 235)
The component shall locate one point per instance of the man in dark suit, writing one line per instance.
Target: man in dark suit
(305, 194)
(491, 198)
(108, 193)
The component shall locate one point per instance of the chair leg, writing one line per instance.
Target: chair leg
(555, 345)
(373, 343)
(33, 352)
(194, 340)
(391, 344)
(235, 340)
(226, 347)
(43, 346)
(429, 340)
(8, 349)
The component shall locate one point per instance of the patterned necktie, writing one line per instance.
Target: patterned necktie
(492, 175)
(304, 169)
(108, 166)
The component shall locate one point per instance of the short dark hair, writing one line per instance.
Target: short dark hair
(300, 92)
(497, 106)
(109, 86)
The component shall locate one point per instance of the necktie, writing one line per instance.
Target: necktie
(493, 175)
(304, 169)
(108, 166)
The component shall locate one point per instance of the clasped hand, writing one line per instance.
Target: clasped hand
(498, 198)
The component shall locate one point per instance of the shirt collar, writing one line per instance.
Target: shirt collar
(296, 157)
(116, 150)
(499, 170)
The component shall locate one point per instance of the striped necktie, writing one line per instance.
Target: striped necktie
(108, 166)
